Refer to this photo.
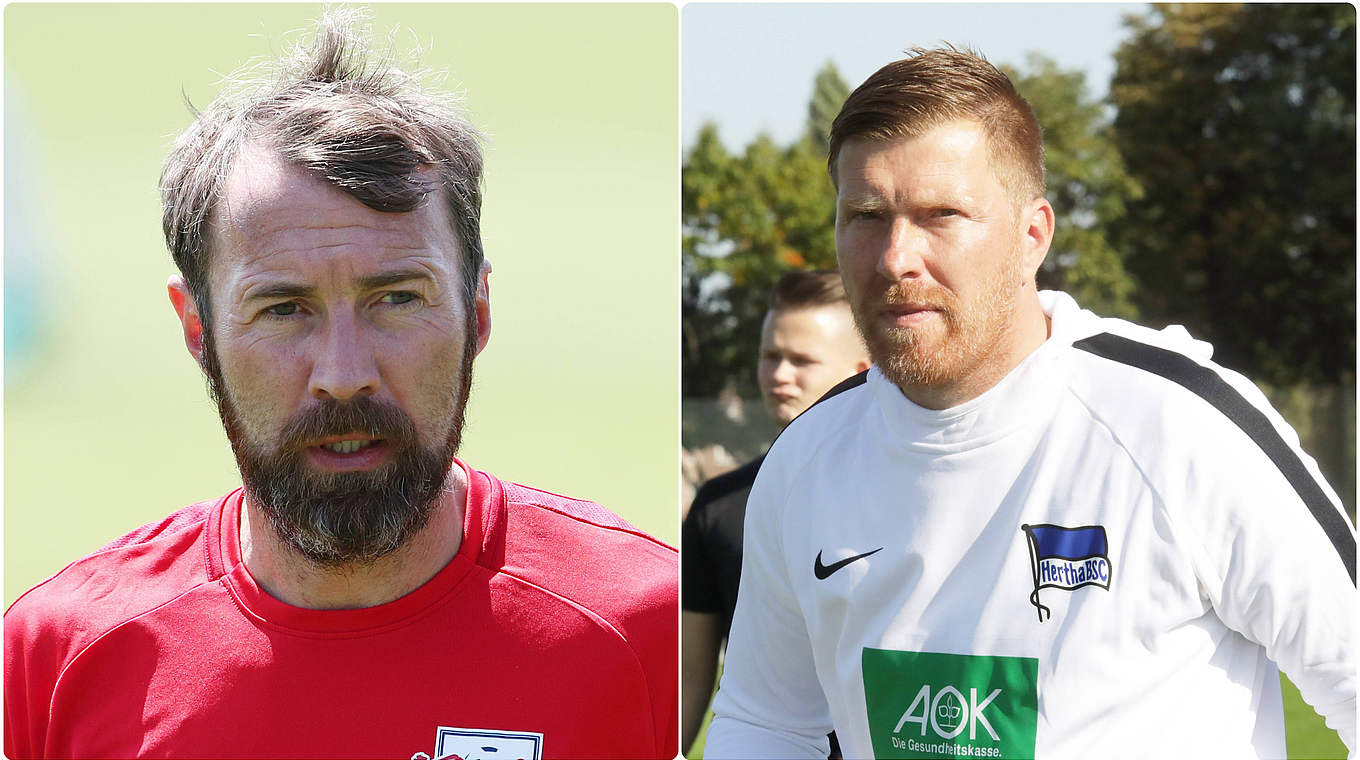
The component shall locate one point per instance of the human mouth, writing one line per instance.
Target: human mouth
(908, 314)
(349, 452)
(347, 447)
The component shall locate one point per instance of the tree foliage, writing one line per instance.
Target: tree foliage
(829, 92)
(1087, 185)
(745, 220)
(1240, 123)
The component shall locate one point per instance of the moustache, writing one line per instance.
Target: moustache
(898, 295)
(326, 418)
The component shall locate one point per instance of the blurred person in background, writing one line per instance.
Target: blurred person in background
(365, 593)
(1026, 531)
(808, 344)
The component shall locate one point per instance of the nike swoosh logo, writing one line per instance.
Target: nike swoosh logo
(824, 571)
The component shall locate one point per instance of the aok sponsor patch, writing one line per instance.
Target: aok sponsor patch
(928, 705)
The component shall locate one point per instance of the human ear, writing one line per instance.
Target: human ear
(189, 319)
(483, 305)
(1036, 235)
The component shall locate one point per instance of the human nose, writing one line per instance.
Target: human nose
(343, 366)
(903, 255)
(783, 372)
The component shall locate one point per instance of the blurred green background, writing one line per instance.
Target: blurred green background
(108, 424)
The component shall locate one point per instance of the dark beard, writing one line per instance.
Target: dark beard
(347, 518)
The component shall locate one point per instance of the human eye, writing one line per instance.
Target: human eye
(285, 309)
(399, 298)
(946, 212)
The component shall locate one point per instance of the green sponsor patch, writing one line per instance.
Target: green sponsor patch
(923, 704)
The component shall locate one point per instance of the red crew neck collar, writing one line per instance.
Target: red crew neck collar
(224, 549)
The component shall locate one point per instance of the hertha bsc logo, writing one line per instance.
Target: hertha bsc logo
(1067, 558)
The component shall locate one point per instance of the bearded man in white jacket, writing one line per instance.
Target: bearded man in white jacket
(1026, 530)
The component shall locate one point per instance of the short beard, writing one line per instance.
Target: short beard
(971, 332)
(347, 519)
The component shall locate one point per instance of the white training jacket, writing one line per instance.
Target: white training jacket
(1105, 555)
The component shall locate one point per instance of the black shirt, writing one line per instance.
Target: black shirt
(710, 550)
(710, 544)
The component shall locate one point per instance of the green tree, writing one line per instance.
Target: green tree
(829, 92)
(1240, 123)
(1087, 185)
(746, 219)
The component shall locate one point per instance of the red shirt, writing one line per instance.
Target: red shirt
(552, 632)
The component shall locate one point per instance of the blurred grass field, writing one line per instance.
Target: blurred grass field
(107, 423)
(1306, 736)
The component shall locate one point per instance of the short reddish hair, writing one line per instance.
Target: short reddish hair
(909, 97)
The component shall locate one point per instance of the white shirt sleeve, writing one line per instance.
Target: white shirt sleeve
(770, 703)
(1267, 566)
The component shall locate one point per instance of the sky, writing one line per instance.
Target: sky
(749, 67)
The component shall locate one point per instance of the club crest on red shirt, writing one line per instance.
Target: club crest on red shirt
(484, 744)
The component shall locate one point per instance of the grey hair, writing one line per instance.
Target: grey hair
(365, 127)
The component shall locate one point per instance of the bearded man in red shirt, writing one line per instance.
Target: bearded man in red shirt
(366, 593)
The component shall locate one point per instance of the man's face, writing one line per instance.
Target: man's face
(929, 245)
(803, 353)
(340, 349)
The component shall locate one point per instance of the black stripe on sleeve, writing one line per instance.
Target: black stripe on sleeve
(1209, 386)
